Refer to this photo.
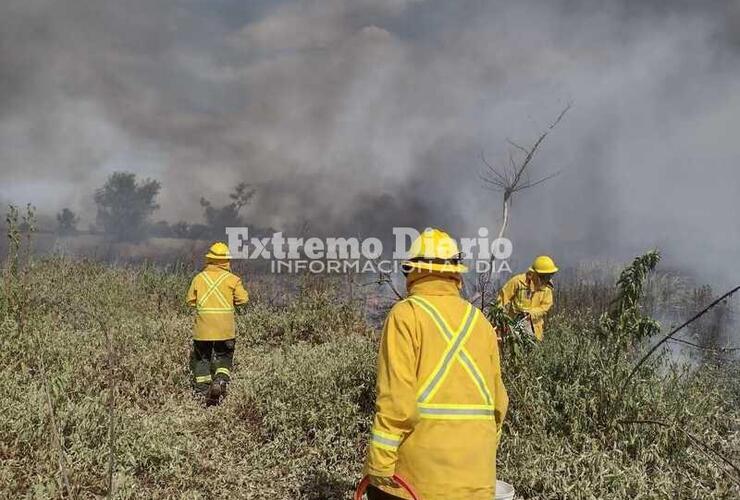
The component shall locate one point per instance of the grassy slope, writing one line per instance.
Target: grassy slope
(295, 422)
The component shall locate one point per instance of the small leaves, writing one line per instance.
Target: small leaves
(625, 320)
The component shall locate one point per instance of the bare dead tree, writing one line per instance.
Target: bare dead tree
(510, 179)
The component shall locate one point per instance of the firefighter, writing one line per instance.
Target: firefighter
(528, 296)
(213, 293)
(440, 398)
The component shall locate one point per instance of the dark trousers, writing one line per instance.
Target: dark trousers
(209, 360)
(374, 493)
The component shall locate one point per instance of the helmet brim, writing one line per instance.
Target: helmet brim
(549, 270)
(218, 257)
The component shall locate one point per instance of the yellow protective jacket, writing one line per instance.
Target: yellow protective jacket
(525, 294)
(214, 292)
(440, 398)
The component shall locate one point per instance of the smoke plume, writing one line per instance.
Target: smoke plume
(352, 116)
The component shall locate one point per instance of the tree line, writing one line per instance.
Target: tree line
(125, 207)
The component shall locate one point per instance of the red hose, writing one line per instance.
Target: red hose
(362, 487)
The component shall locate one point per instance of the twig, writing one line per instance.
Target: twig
(383, 281)
(111, 411)
(57, 437)
(386, 278)
(350, 283)
(529, 184)
(673, 332)
(704, 347)
(520, 148)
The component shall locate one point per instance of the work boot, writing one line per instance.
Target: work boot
(201, 390)
(217, 391)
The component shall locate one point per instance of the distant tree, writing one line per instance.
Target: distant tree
(180, 230)
(161, 229)
(199, 231)
(218, 218)
(67, 222)
(125, 205)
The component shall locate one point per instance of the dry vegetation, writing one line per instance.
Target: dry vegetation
(85, 346)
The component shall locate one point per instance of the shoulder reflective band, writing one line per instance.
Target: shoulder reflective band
(213, 290)
(455, 412)
(455, 348)
(386, 441)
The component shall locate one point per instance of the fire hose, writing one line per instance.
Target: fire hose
(362, 487)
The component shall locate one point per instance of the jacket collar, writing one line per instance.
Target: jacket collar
(433, 284)
(217, 266)
(531, 281)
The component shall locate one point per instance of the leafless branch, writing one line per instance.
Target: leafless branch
(387, 279)
(383, 279)
(485, 162)
(529, 184)
(704, 347)
(673, 332)
(496, 185)
(517, 146)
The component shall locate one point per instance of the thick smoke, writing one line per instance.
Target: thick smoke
(353, 116)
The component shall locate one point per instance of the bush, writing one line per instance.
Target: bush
(564, 436)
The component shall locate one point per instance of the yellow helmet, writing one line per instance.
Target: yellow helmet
(219, 251)
(544, 265)
(435, 250)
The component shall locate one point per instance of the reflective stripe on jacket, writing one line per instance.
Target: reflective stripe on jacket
(214, 292)
(440, 398)
(522, 295)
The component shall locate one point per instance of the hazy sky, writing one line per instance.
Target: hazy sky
(358, 115)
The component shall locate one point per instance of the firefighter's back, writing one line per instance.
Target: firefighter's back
(452, 452)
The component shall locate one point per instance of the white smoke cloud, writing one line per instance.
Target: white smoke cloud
(357, 115)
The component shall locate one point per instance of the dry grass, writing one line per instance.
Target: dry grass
(295, 422)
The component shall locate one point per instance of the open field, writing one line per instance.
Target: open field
(75, 333)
